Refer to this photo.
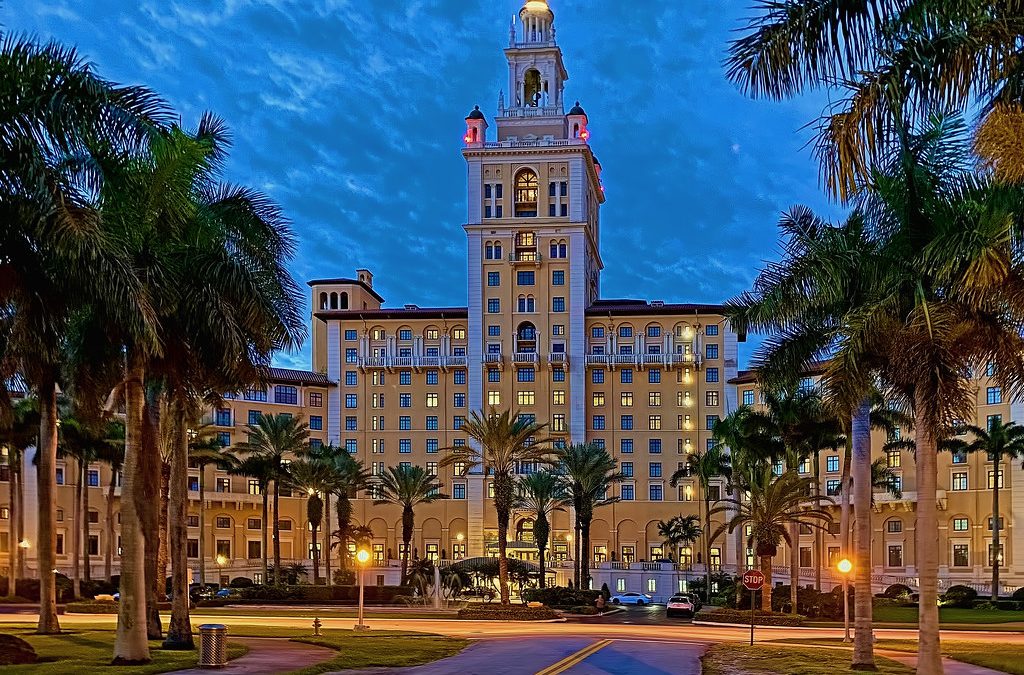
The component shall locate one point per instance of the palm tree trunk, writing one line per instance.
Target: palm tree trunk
(179, 630)
(929, 658)
(130, 643)
(76, 535)
(47, 488)
(995, 529)
(108, 550)
(844, 500)
(277, 533)
(503, 519)
(202, 523)
(163, 556)
(794, 566)
(18, 519)
(766, 587)
(577, 545)
(264, 554)
(148, 506)
(327, 537)
(86, 559)
(540, 560)
(344, 522)
(819, 537)
(12, 535)
(707, 545)
(407, 525)
(585, 553)
(863, 641)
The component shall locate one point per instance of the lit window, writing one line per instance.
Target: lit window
(494, 398)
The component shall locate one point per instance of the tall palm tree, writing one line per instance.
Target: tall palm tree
(348, 477)
(588, 472)
(314, 479)
(885, 55)
(205, 450)
(502, 443)
(541, 493)
(912, 293)
(772, 506)
(408, 487)
(275, 439)
(58, 119)
(679, 531)
(261, 470)
(1001, 441)
(18, 432)
(707, 465)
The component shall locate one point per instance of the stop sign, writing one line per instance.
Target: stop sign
(753, 580)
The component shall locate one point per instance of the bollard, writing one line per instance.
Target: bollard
(213, 645)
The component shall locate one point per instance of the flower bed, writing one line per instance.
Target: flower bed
(724, 615)
(497, 612)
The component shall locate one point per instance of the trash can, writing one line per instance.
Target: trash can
(213, 645)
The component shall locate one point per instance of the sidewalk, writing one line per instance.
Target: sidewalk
(949, 666)
(268, 656)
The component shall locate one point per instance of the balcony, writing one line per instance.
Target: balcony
(524, 258)
(494, 359)
(524, 358)
(602, 360)
(417, 362)
(558, 359)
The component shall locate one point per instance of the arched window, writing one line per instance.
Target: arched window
(497, 250)
(531, 87)
(526, 193)
(323, 301)
(527, 303)
(562, 251)
(344, 300)
(334, 301)
(488, 251)
(524, 530)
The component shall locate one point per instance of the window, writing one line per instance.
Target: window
(992, 479)
(1001, 524)
(350, 334)
(959, 481)
(404, 445)
(656, 492)
(626, 376)
(832, 487)
(748, 397)
(458, 333)
(625, 331)
(558, 397)
(259, 394)
(432, 377)
(432, 400)
(192, 548)
(626, 399)
(493, 278)
(559, 330)
(525, 194)
(494, 398)
(654, 399)
(959, 457)
(459, 491)
(459, 400)
(960, 524)
(526, 375)
(558, 278)
(711, 375)
(286, 394)
(654, 446)
(404, 423)
(626, 445)
(493, 306)
(993, 395)
(351, 446)
(459, 377)
(224, 438)
(405, 400)
(558, 304)
(350, 401)
(832, 463)
(558, 422)
(894, 526)
(457, 422)
(316, 400)
(711, 330)
(597, 332)
(991, 420)
(710, 422)
(626, 423)
(597, 377)
(526, 398)
(711, 351)
(598, 423)
(351, 378)
(711, 399)
(223, 522)
(223, 417)
(525, 278)
(654, 469)
(654, 422)
(627, 469)
(895, 557)
(961, 555)
(626, 493)
(654, 376)
(405, 377)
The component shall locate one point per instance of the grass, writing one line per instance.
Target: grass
(950, 618)
(89, 651)
(380, 649)
(730, 658)
(995, 655)
(341, 612)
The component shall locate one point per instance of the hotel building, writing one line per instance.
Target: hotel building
(646, 379)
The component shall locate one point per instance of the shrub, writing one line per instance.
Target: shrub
(241, 582)
(810, 602)
(606, 592)
(986, 604)
(324, 594)
(91, 607)
(496, 612)
(724, 615)
(344, 577)
(959, 596)
(15, 651)
(91, 589)
(560, 596)
(895, 591)
(589, 610)
(212, 602)
(271, 593)
(1018, 595)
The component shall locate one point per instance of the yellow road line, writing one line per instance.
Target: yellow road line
(571, 660)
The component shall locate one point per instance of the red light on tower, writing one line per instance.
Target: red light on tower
(468, 138)
(585, 134)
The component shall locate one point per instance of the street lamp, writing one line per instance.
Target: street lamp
(845, 566)
(221, 561)
(362, 557)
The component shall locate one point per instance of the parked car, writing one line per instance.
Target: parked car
(681, 605)
(226, 593)
(483, 592)
(199, 592)
(631, 598)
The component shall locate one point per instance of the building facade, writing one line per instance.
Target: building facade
(644, 378)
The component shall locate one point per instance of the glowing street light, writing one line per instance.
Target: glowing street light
(24, 544)
(845, 567)
(362, 557)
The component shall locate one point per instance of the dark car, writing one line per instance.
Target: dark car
(199, 592)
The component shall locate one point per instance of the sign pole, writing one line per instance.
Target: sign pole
(753, 597)
(753, 580)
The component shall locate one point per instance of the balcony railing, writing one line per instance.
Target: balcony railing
(558, 358)
(493, 358)
(640, 360)
(433, 361)
(524, 358)
(524, 258)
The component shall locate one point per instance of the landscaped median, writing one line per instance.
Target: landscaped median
(742, 617)
(730, 658)
(493, 611)
(992, 654)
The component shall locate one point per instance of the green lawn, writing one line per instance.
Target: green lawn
(995, 655)
(731, 658)
(329, 612)
(377, 649)
(89, 651)
(950, 617)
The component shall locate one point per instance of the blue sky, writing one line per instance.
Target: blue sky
(350, 114)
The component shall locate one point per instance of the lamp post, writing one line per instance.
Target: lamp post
(362, 557)
(221, 561)
(844, 566)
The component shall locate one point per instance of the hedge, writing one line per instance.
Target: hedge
(497, 612)
(959, 596)
(1018, 595)
(91, 607)
(724, 615)
(322, 594)
(561, 597)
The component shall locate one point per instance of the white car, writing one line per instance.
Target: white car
(680, 605)
(631, 599)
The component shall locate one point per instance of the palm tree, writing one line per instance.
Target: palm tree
(588, 473)
(898, 296)
(58, 117)
(772, 506)
(17, 434)
(503, 444)
(313, 478)
(407, 486)
(1001, 441)
(885, 55)
(707, 465)
(275, 439)
(678, 531)
(541, 493)
(262, 470)
(349, 476)
(205, 450)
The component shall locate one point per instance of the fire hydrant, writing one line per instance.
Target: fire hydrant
(316, 627)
